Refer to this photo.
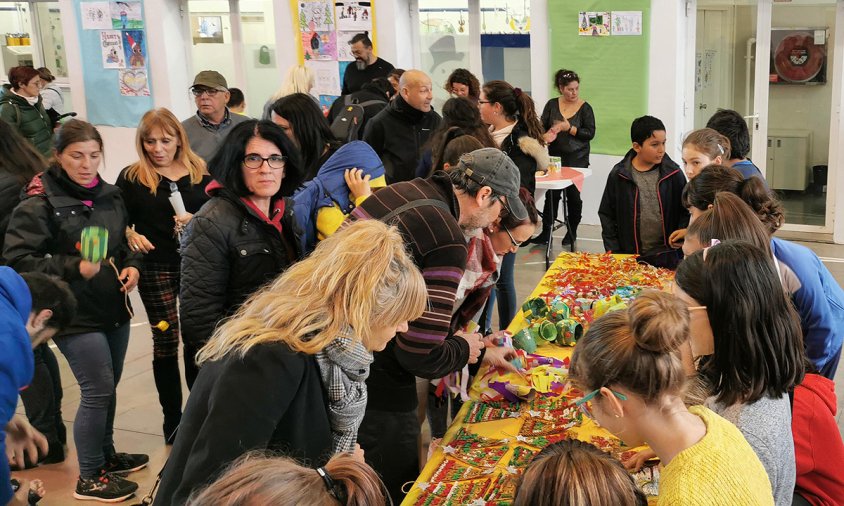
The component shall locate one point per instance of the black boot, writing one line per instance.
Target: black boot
(168, 382)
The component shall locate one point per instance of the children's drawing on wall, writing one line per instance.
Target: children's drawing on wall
(325, 102)
(327, 77)
(594, 24)
(317, 16)
(344, 49)
(95, 16)
(111, 45)
(134, 83)
(126, 15)
(627, 22)
(135, 48)
(319, 45)
(352, 15)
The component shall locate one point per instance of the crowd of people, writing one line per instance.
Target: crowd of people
(322, 269)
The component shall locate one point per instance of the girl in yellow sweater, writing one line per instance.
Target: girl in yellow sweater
(629, 364)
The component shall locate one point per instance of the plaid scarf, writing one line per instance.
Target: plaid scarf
(344, 367)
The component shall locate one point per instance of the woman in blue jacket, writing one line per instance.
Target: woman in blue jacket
(817, 296)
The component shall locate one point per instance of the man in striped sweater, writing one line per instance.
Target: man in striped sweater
(433, 215)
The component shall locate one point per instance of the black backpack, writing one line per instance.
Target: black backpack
(347, 125)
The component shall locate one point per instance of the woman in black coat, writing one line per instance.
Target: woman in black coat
(18, 165)
(244, 236)
(569, 124)
(286, 373)
(44, 235)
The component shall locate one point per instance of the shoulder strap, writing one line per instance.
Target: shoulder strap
(17, 115)
(371, 102)
(412, 205)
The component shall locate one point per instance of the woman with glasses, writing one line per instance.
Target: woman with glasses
(244, 236)
(166, 168)
(629, 365)
(569, 125)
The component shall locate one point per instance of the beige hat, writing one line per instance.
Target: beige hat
(211, 79)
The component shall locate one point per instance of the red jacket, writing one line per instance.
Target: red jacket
(817, 443)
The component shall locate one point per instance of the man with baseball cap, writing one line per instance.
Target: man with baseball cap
(213, 121)
(434, 215)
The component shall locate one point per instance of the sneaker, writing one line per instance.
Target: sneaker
(124, 463)
(106, 487)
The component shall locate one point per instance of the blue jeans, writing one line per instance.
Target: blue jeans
(96, 359)
(505, 292)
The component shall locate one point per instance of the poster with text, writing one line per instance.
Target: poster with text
(134, 82)
(319, 45)
(316, 16)
(126, 15)
(327, 75)
(135, 48)
(594, 24)
(95, 16)
(344, 49)
(627, 22)
(352, 15)
(111, 46)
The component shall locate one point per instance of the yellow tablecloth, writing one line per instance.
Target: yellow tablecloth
(505, 428)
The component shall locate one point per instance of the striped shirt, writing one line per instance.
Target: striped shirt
(438, 246)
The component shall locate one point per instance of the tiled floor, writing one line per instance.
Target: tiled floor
(138, 420)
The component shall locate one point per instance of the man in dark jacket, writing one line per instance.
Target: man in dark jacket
(433, 215)
(366, 66)
(399, 132)
(373, 96)
(642, 202)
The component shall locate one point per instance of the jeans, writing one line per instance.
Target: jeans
(505, 292)
(96, 359)
(43, 398)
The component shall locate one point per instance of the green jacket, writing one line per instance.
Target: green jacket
(31, 121)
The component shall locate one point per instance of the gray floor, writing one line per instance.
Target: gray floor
(804, 208)
(138, 420)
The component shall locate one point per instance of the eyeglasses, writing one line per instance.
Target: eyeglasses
(484, 102)
(516, 244)
(585, 405)
(254, 162)
(211, 92)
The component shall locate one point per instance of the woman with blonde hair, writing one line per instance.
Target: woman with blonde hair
(287, 372)
(297, 79)
(259, 479)
(166, 167)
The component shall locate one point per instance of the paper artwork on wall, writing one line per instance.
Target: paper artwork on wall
(135, 48)
(352, 15)
(319, 45)
(327, 75)
(134, 83)
(627, 22)
(594, 24)
(344, 49)
(95, 16)
(111, 45)
(316, 16)
(126, 15)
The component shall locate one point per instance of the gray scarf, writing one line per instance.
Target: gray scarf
(344, 367)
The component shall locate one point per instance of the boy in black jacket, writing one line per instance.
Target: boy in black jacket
(642, 202)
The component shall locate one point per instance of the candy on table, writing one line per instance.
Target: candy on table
(521, 457)
(647, 479)
(478, 457)
(541, 427)
(502, 490)
(454, 470)
(482, 412)
(466, 437)
(542, 441)
(454, 492)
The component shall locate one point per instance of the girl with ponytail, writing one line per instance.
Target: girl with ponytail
(630, 367)
(258, 479)
(515, 128)
(816, 294)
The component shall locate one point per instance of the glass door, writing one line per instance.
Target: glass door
(801, 66)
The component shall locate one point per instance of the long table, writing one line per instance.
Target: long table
(502, 435)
